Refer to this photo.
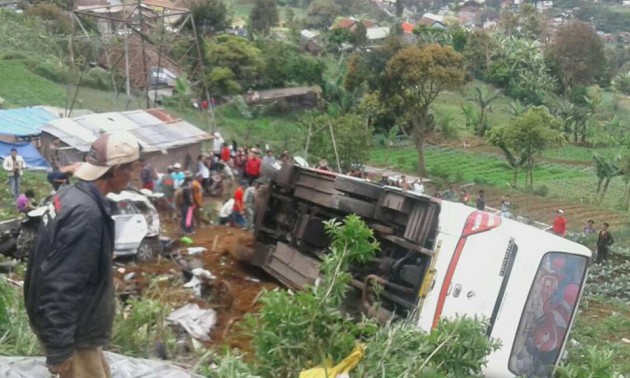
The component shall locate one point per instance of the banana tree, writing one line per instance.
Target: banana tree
(484, 99)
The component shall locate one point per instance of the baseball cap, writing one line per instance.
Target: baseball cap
(108, 150)
(177, 166)
(560, 211)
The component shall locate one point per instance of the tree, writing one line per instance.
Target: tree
(237, 55)
(606, 168)
(209, 15)
(352, 138)
(322, 13)
(579, 53)
(415, 76)
(528, 136)
(621, 83)
(263, 17)
(484, 99)
(480, 50)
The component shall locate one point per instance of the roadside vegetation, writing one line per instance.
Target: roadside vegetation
(542, 115)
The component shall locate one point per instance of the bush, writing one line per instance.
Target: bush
(300, 330)
(587, 362)
(456, 348)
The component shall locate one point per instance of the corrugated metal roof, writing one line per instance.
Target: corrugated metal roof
(155, 129)
(24, 121)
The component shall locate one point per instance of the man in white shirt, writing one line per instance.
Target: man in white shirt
(217, 144)
(248, 198)
(14, 165)
(418, 186)
(225, 215)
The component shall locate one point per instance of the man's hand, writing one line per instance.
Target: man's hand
(61, 368)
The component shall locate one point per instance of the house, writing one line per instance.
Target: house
(433, 20)
(544, 5)
(287, 99)
(376, 33)
(407, 27)
(165, 139)
(468, 16)
(625, 3)
(311, 41)
(350, 23)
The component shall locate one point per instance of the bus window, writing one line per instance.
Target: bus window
(547, 314)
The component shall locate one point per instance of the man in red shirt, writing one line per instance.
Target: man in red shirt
(559, 224)
(225, 153)
(252, 167)
(239, 207)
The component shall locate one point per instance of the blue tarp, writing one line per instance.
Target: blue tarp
(26, 150)
(24, 121)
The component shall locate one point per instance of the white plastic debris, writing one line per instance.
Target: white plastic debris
(199, 276)
(252, 279)
(196, 321)
(193, 251)
(129, 276)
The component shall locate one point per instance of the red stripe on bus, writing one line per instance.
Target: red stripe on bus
(447, 280)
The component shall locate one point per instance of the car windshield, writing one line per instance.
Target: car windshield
(123, 208)
(547, 314)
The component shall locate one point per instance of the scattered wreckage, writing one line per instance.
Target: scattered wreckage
(437, 259)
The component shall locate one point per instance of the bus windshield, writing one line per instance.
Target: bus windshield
(547, 314)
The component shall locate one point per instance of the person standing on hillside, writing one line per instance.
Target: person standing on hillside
(148, 175)
(250, 194)
(14, 165)
(217, 144)
(69, 288)
(197, 193)
(506, 206)
(559, 224)
(252, 167)
(588, 228)
(186, 206)
(604, 241)
(480, 203)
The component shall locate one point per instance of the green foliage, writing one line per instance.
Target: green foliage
(454, 349)
(621, 83)
(16, 337)
(263, 17)
(285, 65)
(532, 133)
(589, 362)
(352, 137)
(294, 331)
(415, 76)
(139, 325)
(240, 56)
(229, 365)
(209, 14)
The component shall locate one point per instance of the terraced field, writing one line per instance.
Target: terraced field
(571, 186)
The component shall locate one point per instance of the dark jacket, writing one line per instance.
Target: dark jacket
(68, 288)
(605, 239)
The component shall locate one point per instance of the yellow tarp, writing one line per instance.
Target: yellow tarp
(344, 367)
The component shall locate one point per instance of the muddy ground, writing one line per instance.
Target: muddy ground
(222, 244)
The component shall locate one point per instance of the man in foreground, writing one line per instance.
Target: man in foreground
(68, 288)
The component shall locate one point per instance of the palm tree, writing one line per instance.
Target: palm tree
(484, 99)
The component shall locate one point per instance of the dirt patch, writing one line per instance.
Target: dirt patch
(246, 282)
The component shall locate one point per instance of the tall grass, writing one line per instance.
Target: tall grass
(16, 337)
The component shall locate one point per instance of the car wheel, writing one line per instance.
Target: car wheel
(358, 187)
(147, 251)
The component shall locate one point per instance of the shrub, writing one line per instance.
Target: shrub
(456, 348)
(541, 190)
(299, 330)
(587, 362)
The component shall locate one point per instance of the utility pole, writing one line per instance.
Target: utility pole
(144, 55)
(127, 82)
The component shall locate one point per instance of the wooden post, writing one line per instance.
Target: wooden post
(332, 135)
(308, 141)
